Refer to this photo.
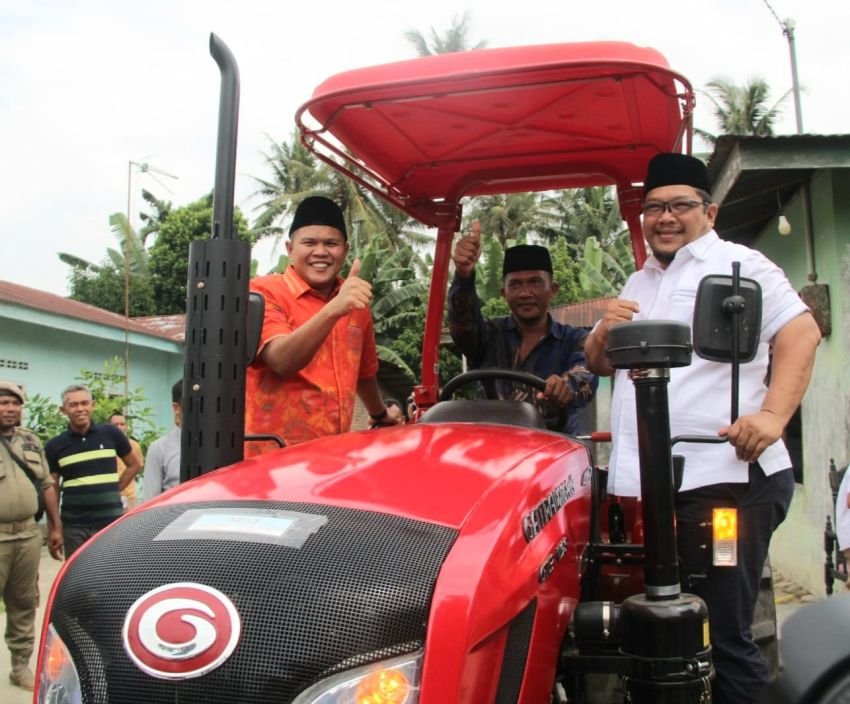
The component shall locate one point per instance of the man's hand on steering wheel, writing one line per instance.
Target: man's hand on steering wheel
(556, 383)
(557, 391)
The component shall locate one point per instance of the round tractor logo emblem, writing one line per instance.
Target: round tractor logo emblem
(181, 630)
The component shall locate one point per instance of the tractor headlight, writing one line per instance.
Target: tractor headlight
(394, 681)
(58, 682)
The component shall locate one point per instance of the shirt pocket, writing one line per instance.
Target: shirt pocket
(681, 306)
(33, 460)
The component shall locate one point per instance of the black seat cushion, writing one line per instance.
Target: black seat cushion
(485, 411)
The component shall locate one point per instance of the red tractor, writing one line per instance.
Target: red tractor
(470, 556)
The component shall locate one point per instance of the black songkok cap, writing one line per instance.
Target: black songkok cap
(676, 170)
(526, 257)
(318, 210)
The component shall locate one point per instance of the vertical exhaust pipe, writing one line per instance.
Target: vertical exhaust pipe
(216, 347)
(665, 632)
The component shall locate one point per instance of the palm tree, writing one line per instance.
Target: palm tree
(603, 270)
(401, 230)
(396, 293)
(105, 285)
(508, 218)
(455, 38)
(488, 270)
(153, 221)
(742, 110)
(131, 246)
(295, 175)
(578, 214)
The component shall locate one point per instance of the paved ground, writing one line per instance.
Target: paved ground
(789, 598)
(8, 693)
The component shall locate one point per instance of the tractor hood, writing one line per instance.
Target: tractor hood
(434, 473)
(253, 583)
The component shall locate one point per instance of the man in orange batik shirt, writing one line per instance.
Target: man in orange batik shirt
(317, 347)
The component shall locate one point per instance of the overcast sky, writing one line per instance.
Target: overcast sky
(87, 86)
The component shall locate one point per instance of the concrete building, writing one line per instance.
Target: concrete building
(806, 179)
(47, 340)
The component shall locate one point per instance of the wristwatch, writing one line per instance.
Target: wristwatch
(379, 416)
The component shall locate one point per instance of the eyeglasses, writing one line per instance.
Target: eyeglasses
(680, 206)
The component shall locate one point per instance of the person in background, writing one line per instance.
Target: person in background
(317, 346)
(162, 465)
(22, 465)
(528, 339)
(842, 517)
(85, 458)
(752, 472)
(128, 493)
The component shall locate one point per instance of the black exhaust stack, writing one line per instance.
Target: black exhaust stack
(665, 631)
(217, 348)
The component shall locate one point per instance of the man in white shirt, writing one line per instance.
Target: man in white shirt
(753, 471)
(162, 464)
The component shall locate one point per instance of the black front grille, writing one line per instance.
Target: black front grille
(516, 655)
(357, 591)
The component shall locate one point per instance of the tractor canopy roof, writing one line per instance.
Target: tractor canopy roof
(424, 133)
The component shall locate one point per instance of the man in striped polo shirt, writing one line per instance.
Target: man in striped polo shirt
(85, 458)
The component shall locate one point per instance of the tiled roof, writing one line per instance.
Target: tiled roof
(170, 326)
(583, 314)
(51, 303)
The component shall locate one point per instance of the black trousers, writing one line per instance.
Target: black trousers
(731, 592)
(74, 536)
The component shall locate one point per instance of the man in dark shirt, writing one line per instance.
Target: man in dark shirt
(84, 457)
(528, 339)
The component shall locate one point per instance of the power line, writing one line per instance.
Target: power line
(773, 12)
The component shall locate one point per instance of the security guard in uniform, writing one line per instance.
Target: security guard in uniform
(20, 535)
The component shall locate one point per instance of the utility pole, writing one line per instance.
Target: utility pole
(788, 30)
(143, 168)
(788, 27)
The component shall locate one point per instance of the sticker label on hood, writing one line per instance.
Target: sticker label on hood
(247, 525)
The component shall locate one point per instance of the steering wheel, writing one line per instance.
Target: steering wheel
(474, 375)
(520, 377)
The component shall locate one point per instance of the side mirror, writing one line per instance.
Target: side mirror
(722, 314)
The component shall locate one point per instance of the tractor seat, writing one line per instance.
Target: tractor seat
(499, 412)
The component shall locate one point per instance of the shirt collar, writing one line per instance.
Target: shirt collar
(698, 249)
(81, 435)
(554, 328)
(299, 287)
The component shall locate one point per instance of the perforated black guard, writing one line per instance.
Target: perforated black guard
(359, 590)
(516, 655)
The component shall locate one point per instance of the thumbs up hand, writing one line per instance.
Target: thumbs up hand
(354, 294)
(467, 251)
